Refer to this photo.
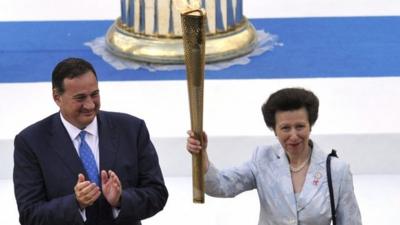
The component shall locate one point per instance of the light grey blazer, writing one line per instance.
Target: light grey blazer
(268, 172)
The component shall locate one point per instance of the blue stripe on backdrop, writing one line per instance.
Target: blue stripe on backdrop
(312, 47)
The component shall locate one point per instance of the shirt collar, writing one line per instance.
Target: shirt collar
(73, 131)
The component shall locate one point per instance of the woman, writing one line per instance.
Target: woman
(290, 177)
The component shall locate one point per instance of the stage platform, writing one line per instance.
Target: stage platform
(305, 48)
(377, 195)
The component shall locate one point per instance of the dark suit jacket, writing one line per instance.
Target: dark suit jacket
(46, 168)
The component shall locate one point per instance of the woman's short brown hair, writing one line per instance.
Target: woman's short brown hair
(289, 99)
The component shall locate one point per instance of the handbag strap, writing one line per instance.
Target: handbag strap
(331, 197)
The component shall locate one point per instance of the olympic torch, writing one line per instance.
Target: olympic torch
(193, 33)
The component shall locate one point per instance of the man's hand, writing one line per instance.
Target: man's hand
(111, 187)
(86, 193)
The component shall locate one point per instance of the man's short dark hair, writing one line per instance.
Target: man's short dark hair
(69, 68)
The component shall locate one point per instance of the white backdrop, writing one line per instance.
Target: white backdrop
(38, 10)
(354, 112)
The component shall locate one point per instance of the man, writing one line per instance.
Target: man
(82, 165)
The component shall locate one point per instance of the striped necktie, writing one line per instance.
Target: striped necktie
(88, 160)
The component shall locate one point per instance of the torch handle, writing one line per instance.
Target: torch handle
(196, 115)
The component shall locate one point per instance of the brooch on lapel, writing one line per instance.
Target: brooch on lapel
(317, 177)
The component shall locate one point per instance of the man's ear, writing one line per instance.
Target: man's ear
(56, 96)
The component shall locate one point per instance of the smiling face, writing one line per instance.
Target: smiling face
(80, 102)
(293, 129)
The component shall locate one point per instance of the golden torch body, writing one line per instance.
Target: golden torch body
(193, 33)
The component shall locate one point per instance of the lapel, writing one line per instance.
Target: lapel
(63, 146)
(316, 176)
(281, 172)
(108, 141)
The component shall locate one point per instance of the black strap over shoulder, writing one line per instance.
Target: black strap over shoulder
(331, 196)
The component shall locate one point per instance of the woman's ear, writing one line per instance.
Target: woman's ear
(273, 130)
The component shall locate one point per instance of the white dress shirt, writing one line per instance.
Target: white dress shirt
(92, 137)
